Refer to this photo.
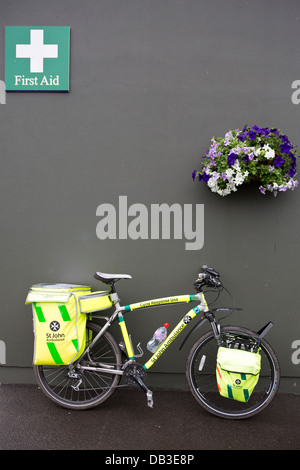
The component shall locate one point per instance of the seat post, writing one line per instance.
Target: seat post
(112, 287)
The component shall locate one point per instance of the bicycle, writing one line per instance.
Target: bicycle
(92, 378)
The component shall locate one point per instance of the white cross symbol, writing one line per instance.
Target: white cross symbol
(37, 51)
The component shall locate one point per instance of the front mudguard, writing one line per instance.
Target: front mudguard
(262, 332)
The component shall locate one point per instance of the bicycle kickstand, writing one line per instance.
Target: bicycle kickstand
(148, 392)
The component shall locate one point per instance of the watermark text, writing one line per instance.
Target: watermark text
(160, 221)
(2, 92)
(2, 352)
(296, 353)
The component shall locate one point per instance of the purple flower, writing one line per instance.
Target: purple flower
(231, 159)
(262, 190)
(278, 161)
(292, 172)
(274, 131)
(293, 160)
(252, 135)
(242, 136)
(284, 138)
(286, 147)
(203, 177)
(265, 131)
(257, 129)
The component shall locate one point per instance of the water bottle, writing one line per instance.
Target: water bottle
(158, 337)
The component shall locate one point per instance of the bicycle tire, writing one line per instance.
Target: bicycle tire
(96, 387)
(202, 382)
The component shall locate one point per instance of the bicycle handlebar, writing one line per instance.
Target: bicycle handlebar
(209, 277)
(210, 271)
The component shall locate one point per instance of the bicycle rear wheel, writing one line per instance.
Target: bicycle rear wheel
(85, 388)
(201, 374)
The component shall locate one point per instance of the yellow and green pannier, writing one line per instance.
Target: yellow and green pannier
(95, 301)
(59, 326)
(237, 373)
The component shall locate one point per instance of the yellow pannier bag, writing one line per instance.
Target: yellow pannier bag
(237, 373)
(59, 326)
(95, 301)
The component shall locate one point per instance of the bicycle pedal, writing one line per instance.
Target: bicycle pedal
(149, 398)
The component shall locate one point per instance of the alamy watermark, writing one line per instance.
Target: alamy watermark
(296, 94)
(160, 221)
(2, 352)
(296, 353)
(2, 92)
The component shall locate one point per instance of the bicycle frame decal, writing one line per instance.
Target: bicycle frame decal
(163, 301)
(173, 335)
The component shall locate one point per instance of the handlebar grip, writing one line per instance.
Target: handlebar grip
(210, 271)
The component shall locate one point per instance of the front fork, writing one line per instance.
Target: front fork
(216, 327)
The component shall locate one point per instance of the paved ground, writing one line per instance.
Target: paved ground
(28, 420)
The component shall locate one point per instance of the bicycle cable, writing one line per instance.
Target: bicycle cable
(233, 306)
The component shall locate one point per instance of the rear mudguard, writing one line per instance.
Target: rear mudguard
(262, 332)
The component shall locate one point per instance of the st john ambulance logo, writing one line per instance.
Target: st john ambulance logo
(187, 319)
(37, 58)
(54, 325)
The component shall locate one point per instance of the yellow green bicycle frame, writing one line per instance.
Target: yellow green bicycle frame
(202, 307)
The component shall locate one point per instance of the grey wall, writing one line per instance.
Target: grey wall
(151, 83)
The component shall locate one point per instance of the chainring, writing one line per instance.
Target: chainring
(133, 370)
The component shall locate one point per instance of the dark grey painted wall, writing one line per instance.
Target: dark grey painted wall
(151, 83)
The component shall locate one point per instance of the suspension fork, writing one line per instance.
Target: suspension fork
(216, 327)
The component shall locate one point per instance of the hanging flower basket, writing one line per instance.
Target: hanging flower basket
(264, 156)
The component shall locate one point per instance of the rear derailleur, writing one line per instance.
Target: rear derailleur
(75, 376)
(134, 374)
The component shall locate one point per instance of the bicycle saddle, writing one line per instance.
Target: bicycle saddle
(108, 278)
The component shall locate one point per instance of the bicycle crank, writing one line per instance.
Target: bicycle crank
(134, 374)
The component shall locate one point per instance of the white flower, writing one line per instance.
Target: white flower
(212, 183)
(229, 173)
(257, 151)
(239, 178)
(269, 152)
(224, 192)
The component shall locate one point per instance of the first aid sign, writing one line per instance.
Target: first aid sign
(37, 58)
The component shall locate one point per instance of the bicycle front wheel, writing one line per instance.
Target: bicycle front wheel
(78, 388)
(201, 374)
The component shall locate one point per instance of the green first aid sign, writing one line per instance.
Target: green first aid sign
(37, 58)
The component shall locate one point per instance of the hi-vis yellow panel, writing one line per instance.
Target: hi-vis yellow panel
(237, 373)
(95, 301)
(59, 327)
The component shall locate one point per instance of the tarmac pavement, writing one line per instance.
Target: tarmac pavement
(30, 421)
